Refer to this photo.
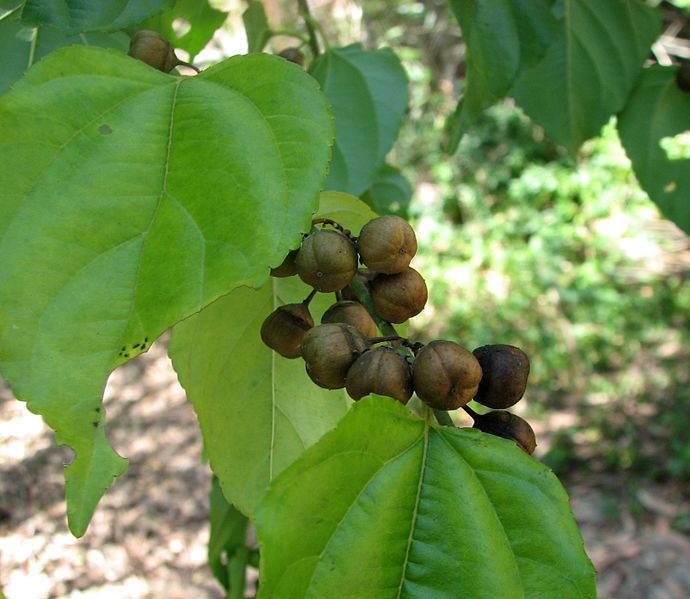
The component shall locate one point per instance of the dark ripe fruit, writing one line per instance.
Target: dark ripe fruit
(153, 49)
(284, 329)
(445, 375)
(352, 313)
(505, 369)
(683, 76)
(287, 267)
(382, 371)
(400, 296)
(329, 350)
(509, 426)
(293, 55)
(387, 244)
(327, 260)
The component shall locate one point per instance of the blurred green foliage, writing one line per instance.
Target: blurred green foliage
(570, 262)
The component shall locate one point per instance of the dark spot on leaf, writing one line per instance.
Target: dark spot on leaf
(98, 409)
(146, 339)
(135, 346)
(123, 348)
(105, 129)
(95, 424)
(126, 355)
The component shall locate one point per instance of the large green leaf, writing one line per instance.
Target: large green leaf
(21, 46)
(130, 199)
(503, 38)
(390, 506)
(590, 68)
(658, 110)
(257, 410)
(368, 92)
(195, 22)
(75, 16)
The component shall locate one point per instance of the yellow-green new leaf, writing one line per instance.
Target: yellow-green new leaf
(257, 410)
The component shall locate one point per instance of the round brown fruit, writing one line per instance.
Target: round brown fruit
(505, 369)
(382, 371)
(327, 260)
(445, 375)
(400, 296)
(153, 49)
(387, 244)
(285, 327)
(329, 350)
(293, 55)
(509, 426)
(352, 313)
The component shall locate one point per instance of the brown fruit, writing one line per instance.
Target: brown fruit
(293, 55)
(287, 267)
(509, 426)
(153, 49)
(329, 350)
(327, 260)
(445, 375)
(387, 244)
(400, 296)
(352, 313)
(382, 371)
(285, 327)
(505, 369)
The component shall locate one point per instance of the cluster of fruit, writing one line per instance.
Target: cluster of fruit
(344, 351)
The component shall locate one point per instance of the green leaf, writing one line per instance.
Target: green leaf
(257, 410)
(658, 110)
(228, 532)
(76, 16)
(256, 26)
(22, 46)
(590, 68)
(130, 199)
(503, 39)
(389, 506)
(390, 193)
(368, 92)
(189, 25)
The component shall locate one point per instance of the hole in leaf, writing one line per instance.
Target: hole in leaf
(676, 147)
(181, 26)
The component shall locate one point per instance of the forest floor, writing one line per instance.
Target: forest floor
(149, 533)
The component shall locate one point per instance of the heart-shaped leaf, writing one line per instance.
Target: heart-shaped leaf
(388, 505)
(368, 92)
(503, 39)
(130, 199)
(589, 69)
(656, 112)
(257, 410)
(75, 16)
